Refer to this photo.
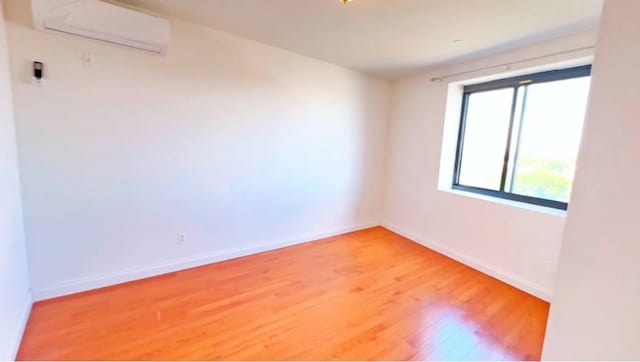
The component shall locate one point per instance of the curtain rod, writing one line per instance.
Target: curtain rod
(507, 65)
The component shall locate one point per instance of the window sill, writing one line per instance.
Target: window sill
(512, 203)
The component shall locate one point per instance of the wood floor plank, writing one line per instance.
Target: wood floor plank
(370, 294)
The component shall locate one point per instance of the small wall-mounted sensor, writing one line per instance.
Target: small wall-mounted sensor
(38, 73)
(88, 59)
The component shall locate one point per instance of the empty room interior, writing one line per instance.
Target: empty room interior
(319, 180)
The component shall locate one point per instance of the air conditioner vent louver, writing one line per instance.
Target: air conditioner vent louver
(98, 20)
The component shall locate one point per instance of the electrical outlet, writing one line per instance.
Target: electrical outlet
(182, 238)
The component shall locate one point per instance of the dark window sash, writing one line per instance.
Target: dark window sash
(542, 77)
(513, 197)
(515, 83)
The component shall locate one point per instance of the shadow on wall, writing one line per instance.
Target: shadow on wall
(228, 141)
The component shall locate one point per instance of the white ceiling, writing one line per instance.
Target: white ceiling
(388, 37)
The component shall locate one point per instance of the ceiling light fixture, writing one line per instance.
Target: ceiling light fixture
(345, 1)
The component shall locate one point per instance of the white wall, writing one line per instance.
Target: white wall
(517, 245)
(14, 279)
(239, 145)
(594, 314)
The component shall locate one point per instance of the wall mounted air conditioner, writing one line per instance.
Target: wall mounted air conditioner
(102, 21)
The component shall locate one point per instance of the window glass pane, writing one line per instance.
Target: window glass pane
(485, 138)
(549, 138)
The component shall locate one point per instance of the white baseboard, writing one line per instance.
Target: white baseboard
(103, 280)
(22, 324)
(503, 275)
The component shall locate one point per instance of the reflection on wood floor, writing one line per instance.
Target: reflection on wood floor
(370, 294)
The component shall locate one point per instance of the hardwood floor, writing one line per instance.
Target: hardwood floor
(365, 295)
